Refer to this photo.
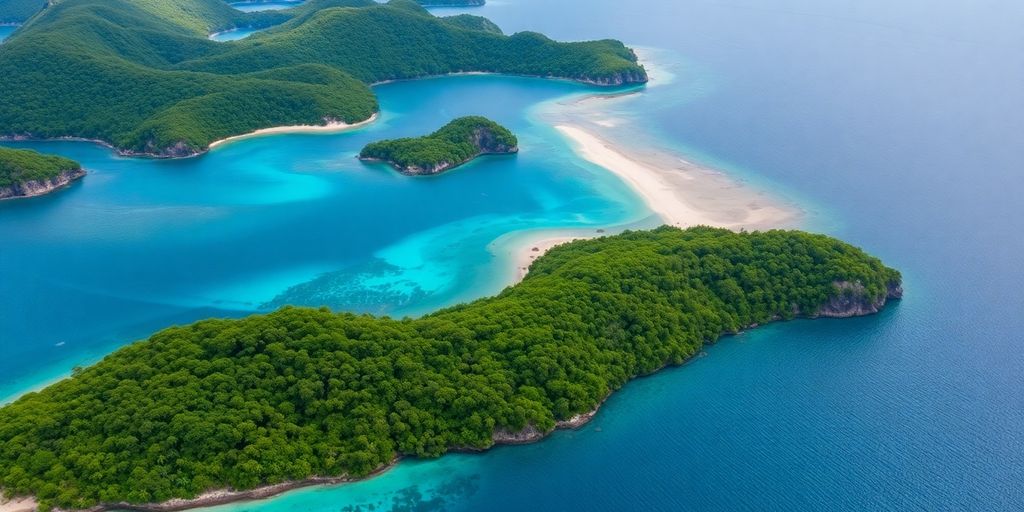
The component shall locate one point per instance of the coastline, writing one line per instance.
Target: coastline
(224, 496)
(685, 194)
(18, 504)
(676, 190)
(36, 188)
(682, 195)
(332, 127)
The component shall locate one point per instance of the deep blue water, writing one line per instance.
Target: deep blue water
(902, 126)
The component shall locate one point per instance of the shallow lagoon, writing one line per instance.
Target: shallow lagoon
(140, 244)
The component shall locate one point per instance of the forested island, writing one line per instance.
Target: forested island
(27, 173)
(157, 86)
(455, 144)
(302, 394)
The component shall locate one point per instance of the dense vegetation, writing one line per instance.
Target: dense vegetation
(454, 144)
(18, 166)
(303, 392)
(142, 75)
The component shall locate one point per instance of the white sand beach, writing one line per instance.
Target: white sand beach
(277, 130)
(17, 505)
(685, 194)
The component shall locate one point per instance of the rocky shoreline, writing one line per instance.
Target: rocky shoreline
(439, 168)
(35, 188)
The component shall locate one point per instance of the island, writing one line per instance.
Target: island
(157, 86)
(249, 407)
(457, 143)
(27, 173)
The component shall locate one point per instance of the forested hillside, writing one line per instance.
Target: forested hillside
(301, 392)
(142, 75)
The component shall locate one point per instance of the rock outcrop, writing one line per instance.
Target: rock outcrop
(40, 187)
(853, 300)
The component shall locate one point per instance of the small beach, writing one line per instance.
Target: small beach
(17, 505)
(336, 127)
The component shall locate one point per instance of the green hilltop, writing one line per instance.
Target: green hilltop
(456, 143)
(303, 392)
(18, 166)
(143, 76)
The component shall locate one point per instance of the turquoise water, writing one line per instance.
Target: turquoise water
(898, 127)
(139, 244)
(6, 31)
(264, 5)
(235, 34)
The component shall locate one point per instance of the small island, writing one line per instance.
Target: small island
(27, 173)
(457, 143)
(223, 410)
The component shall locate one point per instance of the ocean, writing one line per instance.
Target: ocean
(896, 127)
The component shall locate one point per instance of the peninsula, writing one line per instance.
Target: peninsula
(306, 395)
(159, 87)
(455, 144)
(27, 173)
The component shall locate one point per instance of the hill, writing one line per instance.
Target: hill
(142, 75)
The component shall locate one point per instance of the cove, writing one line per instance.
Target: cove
(286, 219)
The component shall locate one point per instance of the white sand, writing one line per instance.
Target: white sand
(17, 505)
(683, 193)
(533, 249)
(327, 128)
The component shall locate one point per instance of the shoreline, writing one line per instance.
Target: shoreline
(629, 87)
(331, 127)
(527, 435)
(18, 504)
(685, 194)
(673, 188)
(36, 188)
